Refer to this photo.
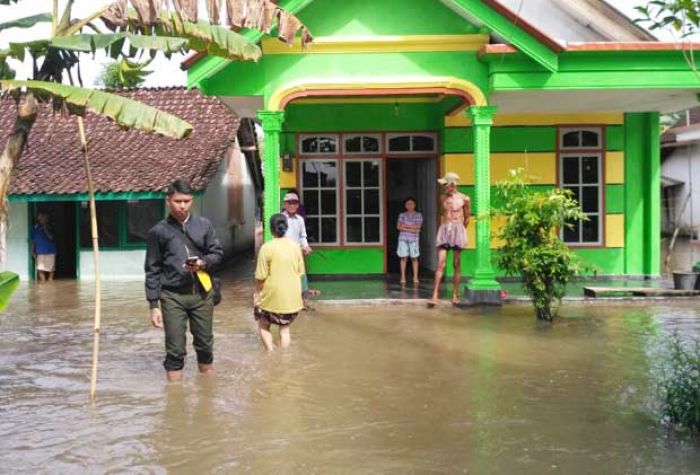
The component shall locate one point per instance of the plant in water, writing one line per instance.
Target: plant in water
(678, 382)
(532, 248)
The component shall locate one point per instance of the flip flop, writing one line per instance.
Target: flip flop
(431, 304)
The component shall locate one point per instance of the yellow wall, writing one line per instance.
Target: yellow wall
(289, 179)
(541, 167)
(613, 118)
(614, 168)
(615, 230)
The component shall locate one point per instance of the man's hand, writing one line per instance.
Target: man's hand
(194, 266)
(156, 318)
(307, 250)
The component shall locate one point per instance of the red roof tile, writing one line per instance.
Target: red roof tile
(122, 160)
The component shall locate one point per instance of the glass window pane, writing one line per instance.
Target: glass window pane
(371, 229)
(354, 229)
(142, 216)
(353, 201)
(326, 145)
(572, 234)
(589, 230)
(353, 144)
(589, 169)
(400, 144)
(329, 231)
(328, 202)
(353, 173)
(328, 174)
(570, 170)
(312, 234)
(107, 224)
(309, 145)
(589, 199)
(371, 201)
(310, 175)
(571, 139)
(589, 139)
(310, 200)
(370, 144)
(422, 143)
(371, 171)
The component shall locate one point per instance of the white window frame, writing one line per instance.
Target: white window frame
(389, 151)
(362, 151)
(303, 137)
(319, 188)
(362, 215)
(596, 130)
(580, 185)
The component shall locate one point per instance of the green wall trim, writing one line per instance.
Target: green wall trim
(514, 81)
(521, 139)
(43, 197)
(363, 117)
(614, 199)
(346, 261)
(512, 32)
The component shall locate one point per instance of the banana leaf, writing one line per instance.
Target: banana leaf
(26, 22)
(89, 43)
(125, 112)
(8, 283)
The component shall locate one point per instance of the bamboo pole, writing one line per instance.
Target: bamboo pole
(96, 258)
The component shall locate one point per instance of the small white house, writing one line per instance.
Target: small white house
(131, 170)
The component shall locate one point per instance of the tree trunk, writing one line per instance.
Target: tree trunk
(545, 313)
(96, 259)
(26, 115)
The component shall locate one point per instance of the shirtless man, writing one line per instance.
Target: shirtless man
(452, 234)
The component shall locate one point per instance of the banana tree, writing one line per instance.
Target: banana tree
(129, 28)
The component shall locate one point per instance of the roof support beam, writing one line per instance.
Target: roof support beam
(524, 37)
(593, 80)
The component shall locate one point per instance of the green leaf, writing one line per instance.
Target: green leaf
(26, 22)
(89, 43)
(8, 283)
(123, 111)
(202, 36)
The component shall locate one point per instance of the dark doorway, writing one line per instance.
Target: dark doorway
(62, 218)
(411, 177)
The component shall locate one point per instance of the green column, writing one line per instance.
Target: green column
(484, 278)
(272, 126)
(642, 194)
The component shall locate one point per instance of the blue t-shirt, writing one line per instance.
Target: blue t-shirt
(43, 244)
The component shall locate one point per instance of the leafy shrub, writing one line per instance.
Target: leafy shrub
(678, 382)
(532, 248)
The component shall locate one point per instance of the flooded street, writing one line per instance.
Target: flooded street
(390, 389)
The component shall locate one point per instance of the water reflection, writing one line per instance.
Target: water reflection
(363, 389)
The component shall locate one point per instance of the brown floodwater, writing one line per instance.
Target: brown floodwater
(388, 389)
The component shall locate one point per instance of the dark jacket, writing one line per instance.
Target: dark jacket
(166, 254)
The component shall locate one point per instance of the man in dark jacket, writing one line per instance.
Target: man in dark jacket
(178, 247)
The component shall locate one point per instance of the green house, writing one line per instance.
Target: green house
(392, 94)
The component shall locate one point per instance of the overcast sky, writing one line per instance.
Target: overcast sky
(166, 73)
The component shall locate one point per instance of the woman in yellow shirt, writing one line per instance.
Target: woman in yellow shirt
(277, 299)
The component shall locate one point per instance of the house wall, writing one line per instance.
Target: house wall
(682, 165)
(18, 240)
(528, 142)
(114, 264)
(229, 202)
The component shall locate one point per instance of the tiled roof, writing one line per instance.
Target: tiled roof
(122, 160)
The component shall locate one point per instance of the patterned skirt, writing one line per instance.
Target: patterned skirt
(451, 236)
(272, 318)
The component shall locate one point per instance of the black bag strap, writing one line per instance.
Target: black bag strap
(186, 239)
